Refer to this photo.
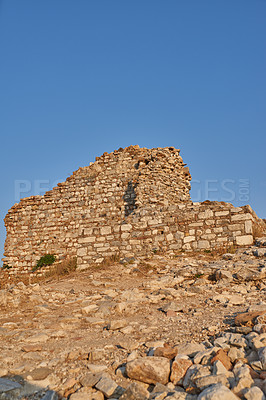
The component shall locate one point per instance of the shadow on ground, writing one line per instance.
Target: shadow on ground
(16, 387)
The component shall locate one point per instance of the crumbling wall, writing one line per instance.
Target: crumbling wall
(130, 202)
(209, 225)
(104, 193)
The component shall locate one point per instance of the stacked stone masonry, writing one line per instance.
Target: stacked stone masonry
(134, 201)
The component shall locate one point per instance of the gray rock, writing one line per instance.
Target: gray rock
(235, 353)
(135, 391)
(107, 386)
(261, 242)
(190, 349)
(90, 380)
(50, 395)
(236, 339)
(223, 274)
(7, 384)
(195, 372)
(205, 381)
(262, 357)
(259, 252)
(217, 392)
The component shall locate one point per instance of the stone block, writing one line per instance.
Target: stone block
(87, 240)
(169, 237)
(221, 213)
(82, 252)
(242, 217)
(188, 239)
(206, 214)
(244, 240)
(203, 244)
(126, 227)
(248, 227)
(106, 230)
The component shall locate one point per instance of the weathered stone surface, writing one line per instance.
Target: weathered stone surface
(206, 381)
(135, 391)
(179, 369)
(7, 385)
(248, 317)
(253, 393)
(149, 369)
(244, 240)
(107, 386)
(217, 392)
(40, 373)
(190, 349)
(50, 395)
(165, 351)
(262, 357)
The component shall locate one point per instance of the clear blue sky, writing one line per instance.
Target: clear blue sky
(78, 78)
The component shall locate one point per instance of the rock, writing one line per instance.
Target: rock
(50, 395)
(227, 256)
(190, 349)
(223, 274)
(9, 389)
(179, 369)
(264, 386)
(39, 374)
(166, 351)
(261, 242)
(262, 356)
(219, 368)
(205, 381)
(193, 373)
(172, 307)
(96, 355)
(253, 393)
(259, 252)
(89, 309)
(38, 338)
(159, 388)
(107, 386)
(223, 357)
(32, 347)
(80, 396)
(248, 317)
(149, 369)
(236, 300)
(69, 383)
(206, 354)
(217, 392)
(236, 354)
(243, 378)
(116, 324)
(3, 298)
(235, 339)
(90, 380)
(135, 391)
(180, 396)
(96, 368)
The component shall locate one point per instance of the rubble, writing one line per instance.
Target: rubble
(127, 345)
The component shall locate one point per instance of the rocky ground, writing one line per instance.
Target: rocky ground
(157, 329)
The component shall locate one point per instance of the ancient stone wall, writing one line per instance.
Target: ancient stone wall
(130, 202)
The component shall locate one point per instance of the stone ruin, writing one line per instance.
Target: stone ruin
(133, 201)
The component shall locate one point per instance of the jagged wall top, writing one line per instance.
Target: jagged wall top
(128, 202)
(155, 175)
